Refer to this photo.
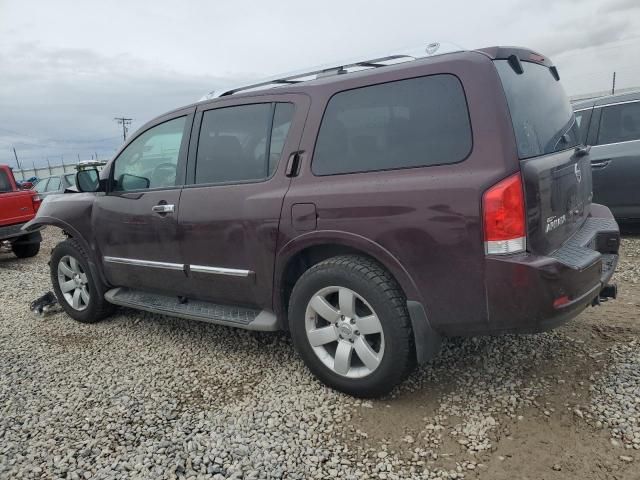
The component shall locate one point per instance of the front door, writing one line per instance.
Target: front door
(135, 222)
(230, 207)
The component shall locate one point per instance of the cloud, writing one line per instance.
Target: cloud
(63, 101)
(577, 35)
(619, 6)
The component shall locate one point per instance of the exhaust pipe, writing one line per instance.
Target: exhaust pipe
(609, 290)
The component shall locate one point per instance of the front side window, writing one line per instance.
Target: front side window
(70, 179)
(583, 118)
(151, 160)
(54, 184)
(402, 124)
(5, 184)
(619, 123)
(242, 143)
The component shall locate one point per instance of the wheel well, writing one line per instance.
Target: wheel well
(307, 258)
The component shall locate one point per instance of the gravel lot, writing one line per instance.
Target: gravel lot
(146, 396)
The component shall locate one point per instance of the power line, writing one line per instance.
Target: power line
(125, 122)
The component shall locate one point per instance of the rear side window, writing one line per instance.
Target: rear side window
(408, 123)
(5, 184)
(242, 143)
(542, 117)
(619, 123)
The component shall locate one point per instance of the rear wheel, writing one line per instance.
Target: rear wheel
(79, 293)
(349, 321)
(25, 250)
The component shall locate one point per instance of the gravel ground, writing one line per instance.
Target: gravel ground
(146, 396)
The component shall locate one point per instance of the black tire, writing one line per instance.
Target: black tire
(25, 250)
(97, 307)
(373, 283)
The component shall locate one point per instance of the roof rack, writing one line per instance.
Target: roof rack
(313, 73)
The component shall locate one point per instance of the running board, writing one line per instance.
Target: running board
(232, 316)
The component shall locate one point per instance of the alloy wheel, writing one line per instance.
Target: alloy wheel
(344, 332)
(73, 283)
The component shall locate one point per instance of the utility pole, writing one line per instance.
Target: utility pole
(613, 86)
(16, 155)
(125, 122)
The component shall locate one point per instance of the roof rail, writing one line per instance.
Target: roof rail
(313, 73)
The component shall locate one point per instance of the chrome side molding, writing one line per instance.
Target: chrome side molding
(233, 272)
(144, 263)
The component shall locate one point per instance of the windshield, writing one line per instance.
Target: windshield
(543, 120)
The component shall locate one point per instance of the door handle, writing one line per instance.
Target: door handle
(163, 208)
(600, 163)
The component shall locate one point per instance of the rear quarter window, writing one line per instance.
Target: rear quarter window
(403, 124)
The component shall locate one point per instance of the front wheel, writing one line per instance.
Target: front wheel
(79, 293)
(349, 322)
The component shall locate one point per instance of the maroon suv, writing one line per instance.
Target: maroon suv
(370, 209)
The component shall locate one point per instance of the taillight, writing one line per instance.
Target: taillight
(504, 217)
(36, 202)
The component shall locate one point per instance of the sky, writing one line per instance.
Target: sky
(67, 68)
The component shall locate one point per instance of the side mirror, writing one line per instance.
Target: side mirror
(88, 180)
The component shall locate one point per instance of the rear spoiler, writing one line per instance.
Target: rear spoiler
(515, 55)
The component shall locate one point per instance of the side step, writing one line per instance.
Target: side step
(232, 316)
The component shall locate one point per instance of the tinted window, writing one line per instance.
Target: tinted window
(542, 117)
(41, 186)
(582, 120)
(54, 184)
(408, 123)
(151, 160)
(236, 144)
(70, 179)
(282, 118)
(5, 185)
(620, 123)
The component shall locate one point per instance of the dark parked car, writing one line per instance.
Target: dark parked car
(612, 125)
(55, 185)
(369, 212)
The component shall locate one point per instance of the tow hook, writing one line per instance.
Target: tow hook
(610, 290)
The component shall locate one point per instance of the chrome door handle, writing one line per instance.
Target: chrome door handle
(600, 163)
(165, 208)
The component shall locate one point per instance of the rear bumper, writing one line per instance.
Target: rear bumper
(532, 293)
(9, 232)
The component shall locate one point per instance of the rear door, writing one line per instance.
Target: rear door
(135, 223)
(556, 174)
(230, 208)
(615, 159)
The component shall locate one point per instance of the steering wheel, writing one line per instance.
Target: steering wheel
(164, 175)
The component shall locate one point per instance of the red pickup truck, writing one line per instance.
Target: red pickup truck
(17, 207)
